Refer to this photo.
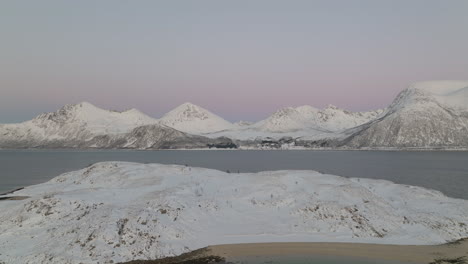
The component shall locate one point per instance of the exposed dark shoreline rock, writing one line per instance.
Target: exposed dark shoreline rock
(199, 256)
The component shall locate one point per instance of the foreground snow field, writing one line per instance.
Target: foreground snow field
(118, 211)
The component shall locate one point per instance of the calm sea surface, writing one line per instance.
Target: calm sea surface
(443, 171)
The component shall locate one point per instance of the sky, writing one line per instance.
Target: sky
(240, 59)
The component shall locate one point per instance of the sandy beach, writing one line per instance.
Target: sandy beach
(416, 254)
(455, 252)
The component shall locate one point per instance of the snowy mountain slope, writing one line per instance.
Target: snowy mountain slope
(117, 211)
(335, 119)
(303, 122)
(330, 119)
(74, 122)
(86, 126)
(425, 115)
(194, 119)
(284, 120)
(96, 120)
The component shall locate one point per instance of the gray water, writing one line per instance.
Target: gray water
(443, 171)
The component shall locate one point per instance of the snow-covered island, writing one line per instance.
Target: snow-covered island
(117, 211)
(426, 115)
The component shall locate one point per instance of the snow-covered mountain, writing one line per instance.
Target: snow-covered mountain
(194, 119)
(84, 125)
(331, 119)
(116, 211)
(96, 120)
(336, 119)
(284, 120)
(425, 115)
(78, 122)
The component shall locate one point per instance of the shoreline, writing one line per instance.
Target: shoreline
(233, 253)
(406, 253)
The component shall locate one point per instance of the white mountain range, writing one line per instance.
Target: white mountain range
(425, 115)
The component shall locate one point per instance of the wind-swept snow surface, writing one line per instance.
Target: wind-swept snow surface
(117, 211)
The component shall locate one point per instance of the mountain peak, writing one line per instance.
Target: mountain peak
(194, 119)
(86, 116)
(440, 87)
(68, 111)
(451, 94)
(81, 105)
(332, 107)
(86, 104)
(307, 110)
(285, 111)
(189, 105)
(188, 111)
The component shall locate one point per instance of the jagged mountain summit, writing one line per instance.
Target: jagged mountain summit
(119, 211)
(425, 115)
(194, 119)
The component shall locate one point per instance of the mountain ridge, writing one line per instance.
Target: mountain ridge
(424, 115)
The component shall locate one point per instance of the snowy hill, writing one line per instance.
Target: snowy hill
(122, 211)
(425, 115)
(194, 119)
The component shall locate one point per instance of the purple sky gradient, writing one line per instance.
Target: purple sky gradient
(239, 59)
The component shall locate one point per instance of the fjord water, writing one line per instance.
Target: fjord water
(443, 171)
